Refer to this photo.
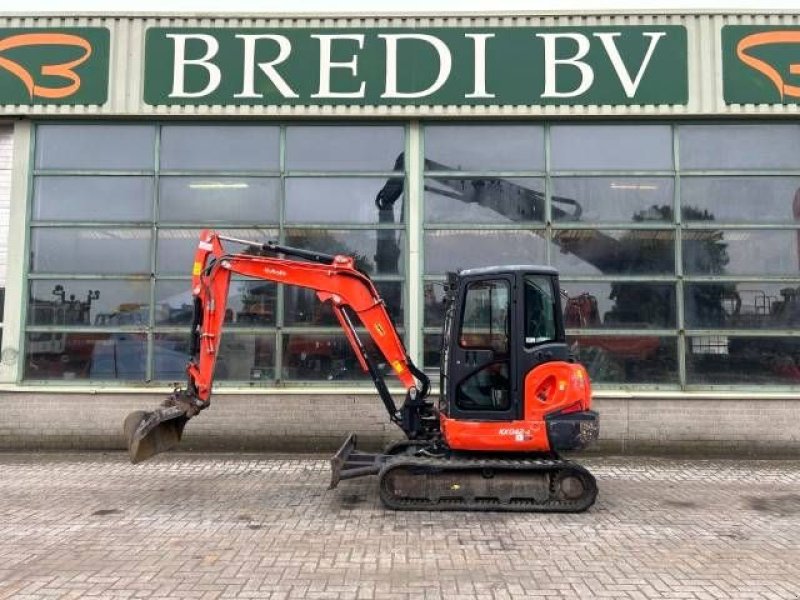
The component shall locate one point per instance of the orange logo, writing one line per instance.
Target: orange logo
(768, 38)
(65, 70)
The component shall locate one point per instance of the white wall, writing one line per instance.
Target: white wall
(6, 143)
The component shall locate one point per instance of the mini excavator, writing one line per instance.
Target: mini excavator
(512, 397)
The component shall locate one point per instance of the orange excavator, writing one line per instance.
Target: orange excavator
(512, 398)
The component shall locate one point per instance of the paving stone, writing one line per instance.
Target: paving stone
(257, 526)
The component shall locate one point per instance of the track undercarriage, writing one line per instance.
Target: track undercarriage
(413, 477)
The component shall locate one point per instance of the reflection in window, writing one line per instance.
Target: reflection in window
(327, 357)
(595, 305)
(484, 200)
(614, 252)
(611, 199)
(343, 200)
(246, 358)
(250, 303)
(242, 357)
(376, 252)
(85, 303)
(434, 300)
(722, 359)
(170, 354)
(453, 250)
(431, 351)
(740, 252)
(746, 305)
(96, 356)
(628, 359)
(96, 251)
(302, 307)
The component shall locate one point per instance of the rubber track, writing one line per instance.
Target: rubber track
(555, 467)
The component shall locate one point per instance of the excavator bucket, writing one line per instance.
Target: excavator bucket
(148, 433)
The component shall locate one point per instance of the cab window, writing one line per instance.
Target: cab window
(484, 324)
(540, 304)
(486, 389)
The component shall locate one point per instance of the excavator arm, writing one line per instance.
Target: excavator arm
(492, 193)
(335, 279)
(512, 201)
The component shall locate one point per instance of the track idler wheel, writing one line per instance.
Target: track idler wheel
(571, 486)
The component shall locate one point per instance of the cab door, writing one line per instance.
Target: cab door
(480, 385)
(541, 336)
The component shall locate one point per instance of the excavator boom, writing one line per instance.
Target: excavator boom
(335, 279)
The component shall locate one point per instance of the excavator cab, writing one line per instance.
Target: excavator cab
(505, 321)
(508, 380)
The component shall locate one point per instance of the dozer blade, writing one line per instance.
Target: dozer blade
(348, 462)
(148, 433)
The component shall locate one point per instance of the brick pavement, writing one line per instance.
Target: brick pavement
(244, 526)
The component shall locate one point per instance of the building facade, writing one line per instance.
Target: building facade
(654, 159)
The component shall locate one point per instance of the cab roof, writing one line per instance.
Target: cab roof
(538, 269)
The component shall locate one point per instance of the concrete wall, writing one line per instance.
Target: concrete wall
(315, 423)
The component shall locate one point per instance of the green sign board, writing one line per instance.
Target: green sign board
(761, 65)
(422, 66)
(68, 65)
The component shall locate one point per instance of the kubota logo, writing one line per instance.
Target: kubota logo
(65, 70)
(274, 272)
(770, 38)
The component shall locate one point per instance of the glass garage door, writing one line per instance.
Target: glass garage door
(116, 210)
